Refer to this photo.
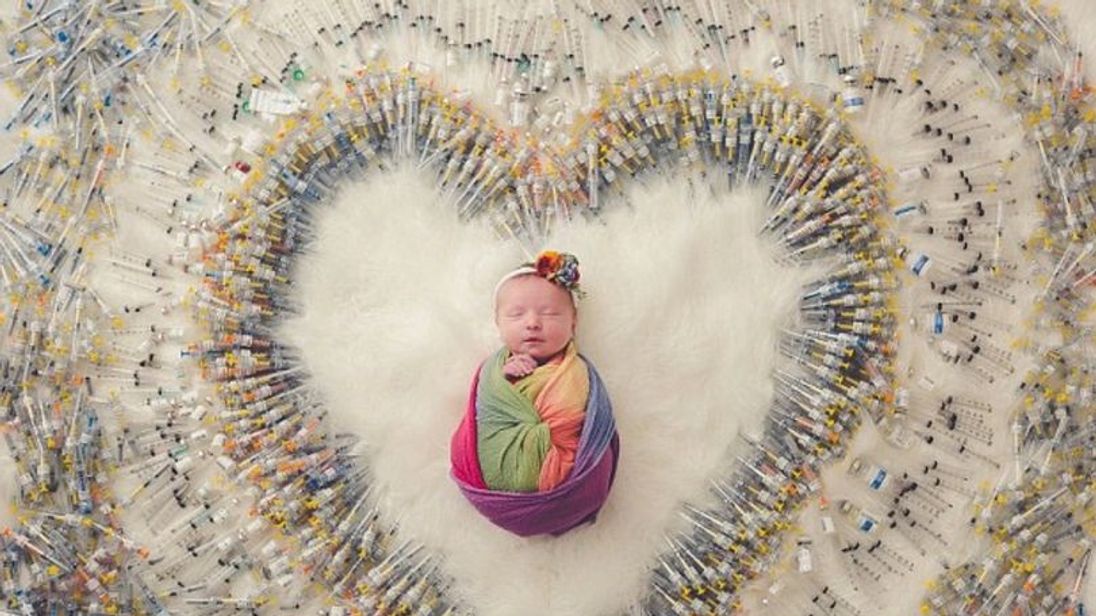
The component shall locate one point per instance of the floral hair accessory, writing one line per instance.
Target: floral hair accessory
(560, 268)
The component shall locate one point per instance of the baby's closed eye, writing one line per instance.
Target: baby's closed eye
(544, 313)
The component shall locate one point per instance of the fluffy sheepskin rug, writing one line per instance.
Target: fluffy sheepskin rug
(685, 304)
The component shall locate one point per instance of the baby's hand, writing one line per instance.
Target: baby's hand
(519, 365)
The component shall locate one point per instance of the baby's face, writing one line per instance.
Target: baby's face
(535, 316)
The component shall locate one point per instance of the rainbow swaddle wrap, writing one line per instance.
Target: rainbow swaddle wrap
(538, 455)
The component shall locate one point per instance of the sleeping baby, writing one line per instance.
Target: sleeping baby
(537, 449)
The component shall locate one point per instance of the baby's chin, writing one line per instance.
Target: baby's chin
(539, 352)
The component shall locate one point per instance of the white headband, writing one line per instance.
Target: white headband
(521, 271)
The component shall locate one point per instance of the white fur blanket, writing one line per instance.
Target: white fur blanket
(397, 314)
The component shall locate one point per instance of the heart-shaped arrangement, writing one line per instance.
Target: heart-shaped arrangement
(186, 468)
(822, 209)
